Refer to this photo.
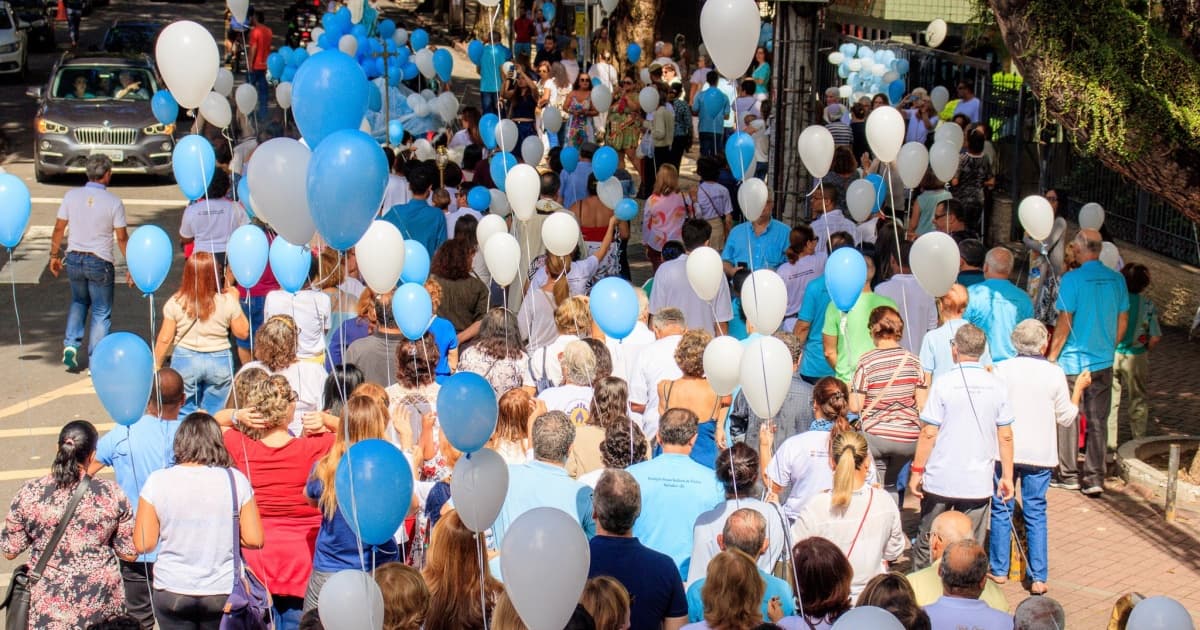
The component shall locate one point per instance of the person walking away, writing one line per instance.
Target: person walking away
(260, 49)
(94, 215)
(948, 528)
(1131, 365)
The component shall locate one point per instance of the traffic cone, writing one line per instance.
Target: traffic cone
(61, 15)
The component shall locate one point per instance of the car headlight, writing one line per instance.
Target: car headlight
(8, 48)
(49, 126)
(159, 129)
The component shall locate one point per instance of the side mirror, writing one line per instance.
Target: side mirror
(22, 25)
(34, 91)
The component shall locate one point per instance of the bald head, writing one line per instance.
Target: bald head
(998, 264)
(166, 394)
(746, 531)
(948, 528)
(954, 303)
(1088, 244)
(964, 569)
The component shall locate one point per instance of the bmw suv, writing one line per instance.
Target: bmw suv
(99, 103)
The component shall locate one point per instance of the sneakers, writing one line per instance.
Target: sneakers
(1093, 491)
(68, 358)
(1065, 485)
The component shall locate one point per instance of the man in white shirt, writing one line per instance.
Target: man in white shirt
(397, 192)
(936, 357)
(828, 219)
(673, 290)
(656, 363)
(746, 103)
(917, 308)
(94, 216)
(966, 427)
(968, 105)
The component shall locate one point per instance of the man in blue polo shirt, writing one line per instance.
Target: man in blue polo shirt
(490, 63)
(1093, 312)
(134, 452)
(745, 531)
(712, 107)
(676, 490)
(996, 305)
(758, 244)
(417, 220)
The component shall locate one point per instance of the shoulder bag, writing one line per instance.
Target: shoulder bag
(16, 601)
(249, 604)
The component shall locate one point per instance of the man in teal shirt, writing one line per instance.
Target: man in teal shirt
(490, 62)
(996, 305)
(758, 244)
(1093, 312)
(745, 532)
(712, 108)
(844, 342)
(417, 220)
(810, 321)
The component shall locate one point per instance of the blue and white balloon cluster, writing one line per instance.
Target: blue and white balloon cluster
(869, 72)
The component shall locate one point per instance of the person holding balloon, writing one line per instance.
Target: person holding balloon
(844, 342)
(759, 243)
(598, 224)
(692, 391)
(664, 214)
(275, 351)
(208, 223)
(413, 398)
(625, 123)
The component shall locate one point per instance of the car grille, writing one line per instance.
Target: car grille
(105, 135)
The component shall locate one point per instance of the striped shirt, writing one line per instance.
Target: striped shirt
(842, 135)
(890, 411)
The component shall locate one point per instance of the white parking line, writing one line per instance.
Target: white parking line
(102, 427)
(81, 387)
(30, 258)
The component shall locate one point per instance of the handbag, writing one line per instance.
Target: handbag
(249, 603)
(16, 600)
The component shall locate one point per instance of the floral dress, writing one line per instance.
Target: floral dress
(409, 405)
(624, 125)
(82, 582)
(662, 220)
(502, 374)
(580, 129)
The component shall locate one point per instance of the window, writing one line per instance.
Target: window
(104, 83)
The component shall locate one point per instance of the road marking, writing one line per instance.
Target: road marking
(170, 203)
(40, 431)
(28, 260)
(74, 389)
(34, 473)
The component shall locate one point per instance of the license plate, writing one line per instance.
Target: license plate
(112, 154)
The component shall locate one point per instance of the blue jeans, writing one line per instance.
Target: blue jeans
(206, 378)
(254, 314)
(258, 78)
(91, 287)
(1033, 481)
(487, 104)
(522, 51)
(287, 611)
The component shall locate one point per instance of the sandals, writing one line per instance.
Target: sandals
(1038, 588)
(998, 579)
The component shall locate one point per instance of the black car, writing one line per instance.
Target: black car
(40, 20)
(131, 36)
(100, 103)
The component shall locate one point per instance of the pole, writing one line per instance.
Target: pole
(1172, 482)
(1015, 193)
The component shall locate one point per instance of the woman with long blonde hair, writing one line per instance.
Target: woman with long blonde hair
(860, 519)
(732, 593)
(664, 214)
(337, 548)
(452, 573)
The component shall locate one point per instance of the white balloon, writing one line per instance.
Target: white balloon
(428, 95)
(246, 98)
(943, 159)
(348, 44)
(506, 135)
(912, 163)
(934, 261)
(845, 91)
(560, 233)
(447, 105)
(418, 105)
(764, 299)
(479, 485)
(313, 48)
(891, 75)
(752, 197)
(648, 98)
(1110, 256)
(836, 57)
(216, 111)
(856, 65)
(364, 126)
(544, 558)
(356, 11)
(950, 133)
(816, 150)
(283, 95)
(401, 34)
(278, 184)
(722, 364)
(766, 373)
(1037, 217)
(501, 255)
(879, 70)
(532, 150)
(1091, 216)
(552, 118)
(223, 85)
(499, 205)
(871, 617)
(489, 3)
(940, 96)
(885, 132)
(645, 76)
(239, 8)
(610, 192)
(860, 199)
(1159, 613)
(602, 98)
(380, 254)
(705, 272)
(523, 186)
(424, 150)
(935, 33)
(351, 599)
(489, 226)
(187, 58)
(730, 29)
(424, 60)
(317, 33)
(608, 5)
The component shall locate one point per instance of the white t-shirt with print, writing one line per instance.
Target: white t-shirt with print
(573, 400)
(967, 411)
(211, 221)
(313, 312)
(656, 363)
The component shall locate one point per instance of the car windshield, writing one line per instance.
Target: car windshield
(130, 39)
(5, 22)
(127, 83)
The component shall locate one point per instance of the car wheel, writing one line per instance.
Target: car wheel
(41, 176)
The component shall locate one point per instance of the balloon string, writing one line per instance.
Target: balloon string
(908, 322)
(482, 558)
(20, 342)
(492, 56)
(828, 237)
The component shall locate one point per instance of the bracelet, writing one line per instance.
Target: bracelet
(918, 469)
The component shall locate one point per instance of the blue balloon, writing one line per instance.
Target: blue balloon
(845, 275)
(626, 209)
(416, 263)
(569, 158)
(410, 71)
(499, 165)
(386, 29)
(614, 307)
(243, 195)
(299, 56)
(327, 41)
(193, 163)
(443, 63)
(344, 21)
(475, 51)
(346, 177)
(329, 22)
(548, 11)
(286, 53)
(402, 56)
(412, 308)
(633, 52)
(865, 53)
(15, 205)
(739, 154)
(395, 132)
(895, 90)
(289, 75)
(123, 373)
(290, 264)
(374, 98)
(247, 253)
(275, 64)
(359, 30)
(148, 255)
(604, 163)
(487, 129)
(418, 39)
(374, 488)
(329, 93)
(467, 411)
(902, 66)
(165, 109)
(393, 76)
(880, 190)
(479, 198)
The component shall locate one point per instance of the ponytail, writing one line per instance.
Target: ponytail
(849, 451)
(76, 443)
(557, 268)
